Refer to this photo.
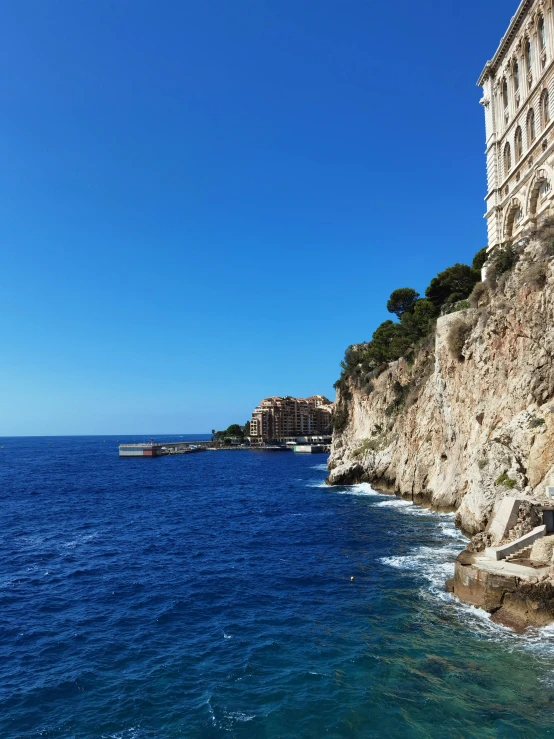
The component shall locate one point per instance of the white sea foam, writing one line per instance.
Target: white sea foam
(318, 485)
(238, 716)
(414, 510)
(363, 488)
(321, 467)
(133, 733)
(394, 503)
(434, 565)
(401, 563)
(83, 539)
(447, 529)
(211, 710)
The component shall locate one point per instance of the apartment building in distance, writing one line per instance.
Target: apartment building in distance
(518, 94)
(285, 419)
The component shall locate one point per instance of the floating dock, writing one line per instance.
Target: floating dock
(161, 449)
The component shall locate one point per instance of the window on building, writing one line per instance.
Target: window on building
(518, 140)
(545, 189)
(531, 129)
(516, 76)
(542, 32)
(528, 56)
(507, 159)
(545, 108)
(505, 93)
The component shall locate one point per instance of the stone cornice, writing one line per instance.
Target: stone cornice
(507, 39)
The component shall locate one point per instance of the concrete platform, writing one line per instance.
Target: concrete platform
(502, 567)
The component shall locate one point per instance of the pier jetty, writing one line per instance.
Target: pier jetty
(152, 448)
(312, 448)
(159, 449)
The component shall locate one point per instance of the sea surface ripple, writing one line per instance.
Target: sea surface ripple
(210, 596)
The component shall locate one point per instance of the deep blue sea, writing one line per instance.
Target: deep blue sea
(209, 596)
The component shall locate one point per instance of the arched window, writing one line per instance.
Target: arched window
(531, 130)
(504, 93)
(545, 108)
(513, 218)
(540, 190)
(507, 159)
(518, 141)
(528, 56)
(516, 76)
(542, 32)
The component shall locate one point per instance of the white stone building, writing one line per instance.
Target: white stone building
(518, 99)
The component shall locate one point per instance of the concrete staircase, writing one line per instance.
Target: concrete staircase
(515, 547)
(523, 553)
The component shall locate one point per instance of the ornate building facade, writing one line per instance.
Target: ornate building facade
(518, 87)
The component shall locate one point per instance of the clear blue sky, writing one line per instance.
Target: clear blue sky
(204, 203)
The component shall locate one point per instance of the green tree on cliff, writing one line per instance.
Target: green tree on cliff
(479, 260)
(453, 284)
(401, 300)
(389, 342)
(419, 321)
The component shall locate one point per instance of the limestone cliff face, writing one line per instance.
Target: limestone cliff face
(446, 428)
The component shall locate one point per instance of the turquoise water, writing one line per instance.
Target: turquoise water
(209, 596)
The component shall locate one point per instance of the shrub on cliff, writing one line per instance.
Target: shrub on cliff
(342, 385)
(502, 260)
(400, 393)
(449, 308)
(545, 234)
(367, 387)
(340, 418)
(505, 480)
(457, 337)
(478, 295)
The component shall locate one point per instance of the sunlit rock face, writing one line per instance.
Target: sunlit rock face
(461, 430)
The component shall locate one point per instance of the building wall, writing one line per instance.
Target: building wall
(280, 418)
(520, 184)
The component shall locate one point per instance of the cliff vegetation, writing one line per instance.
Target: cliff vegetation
(451, 402)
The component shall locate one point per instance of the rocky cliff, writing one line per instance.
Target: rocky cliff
(470, 418)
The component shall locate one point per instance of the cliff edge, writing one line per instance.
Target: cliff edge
(468, 418)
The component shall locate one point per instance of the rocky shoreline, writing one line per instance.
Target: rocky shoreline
(462, 430)
(512, 600)
(518, 594)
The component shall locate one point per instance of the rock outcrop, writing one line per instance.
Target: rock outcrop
(460, 429)
(513, 597)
